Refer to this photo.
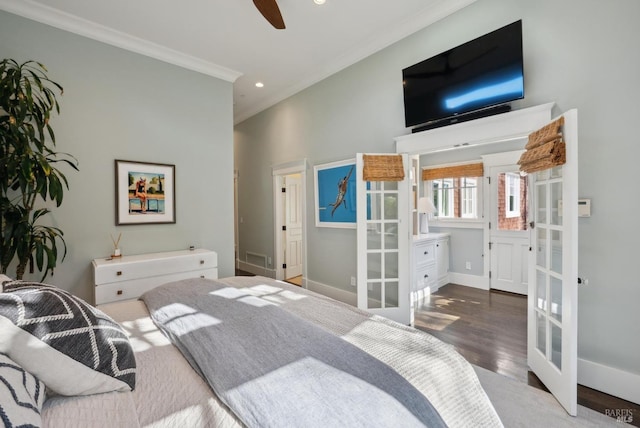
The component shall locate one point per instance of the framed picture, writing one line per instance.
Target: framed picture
(145, 193)
(335, 193)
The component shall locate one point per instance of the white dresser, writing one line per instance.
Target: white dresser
(429, 264)
(128, 277)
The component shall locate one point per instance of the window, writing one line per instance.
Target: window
(455, 197)
(512, 195)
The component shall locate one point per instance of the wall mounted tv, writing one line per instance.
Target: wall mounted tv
(464, 82)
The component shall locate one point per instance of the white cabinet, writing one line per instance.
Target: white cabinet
(128, 277)
(429, 264)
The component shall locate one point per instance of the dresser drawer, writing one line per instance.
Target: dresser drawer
(152, 265)
(424, 253)
(427, 277)
(124, 290)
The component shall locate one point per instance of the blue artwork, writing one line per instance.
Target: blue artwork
(336, 187)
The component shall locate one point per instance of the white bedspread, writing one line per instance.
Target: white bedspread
(170, 394)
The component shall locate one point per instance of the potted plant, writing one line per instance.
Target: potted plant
(29, 176)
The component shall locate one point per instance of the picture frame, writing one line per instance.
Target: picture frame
(145, 193)
(335, 194)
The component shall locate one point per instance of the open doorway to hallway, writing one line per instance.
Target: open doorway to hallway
(289, 200)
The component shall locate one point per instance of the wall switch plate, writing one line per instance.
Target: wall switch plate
(468, 265)
(353, 281)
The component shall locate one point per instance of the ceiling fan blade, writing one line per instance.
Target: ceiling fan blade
(270, 10)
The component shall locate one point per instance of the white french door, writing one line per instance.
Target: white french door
(553, 273)
(383, 245)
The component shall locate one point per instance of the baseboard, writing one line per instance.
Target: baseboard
(256, 270)
(474, 281)
(610, 380)
(333, 292)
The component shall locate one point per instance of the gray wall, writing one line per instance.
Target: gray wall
(119, 105)
(579, 53)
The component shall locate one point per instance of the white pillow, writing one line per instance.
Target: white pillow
(21, 395)
(74, 348)
(3, 279)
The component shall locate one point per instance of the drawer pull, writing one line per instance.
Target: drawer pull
(119, 292)
(202, 276)
(201, 262)
(426, 276)
(426, 252)
(119, 273)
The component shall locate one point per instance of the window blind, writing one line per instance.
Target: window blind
(382, 168)
(455, 171)
(545, 148)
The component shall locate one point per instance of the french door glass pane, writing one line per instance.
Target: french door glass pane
(374, 266)
(541, 327)
(541, 212)
(391, 206)
(556, 251)
(556, 298)
(375, 295)
(542, 175)
(391, 295)
(391, 235)
(541, 290)
(556, 346)
(556, 198)
(374, 211)
(391, 265)
(541, 249)
(374, 238)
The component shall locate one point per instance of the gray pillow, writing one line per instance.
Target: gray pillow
(73, 347)
(21, 395)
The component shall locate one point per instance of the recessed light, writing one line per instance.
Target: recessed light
(259, 84)
(318, 1)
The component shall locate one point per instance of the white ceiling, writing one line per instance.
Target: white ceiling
(229, 39)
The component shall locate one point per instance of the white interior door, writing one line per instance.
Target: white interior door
(508, 234)
(293, 226)
(553, 273)
(383, 245)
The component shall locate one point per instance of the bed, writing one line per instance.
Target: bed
(170, 388)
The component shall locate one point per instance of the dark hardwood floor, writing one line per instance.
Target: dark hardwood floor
(489, 329)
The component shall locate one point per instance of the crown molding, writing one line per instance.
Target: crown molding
(417, 22)
(73, 24)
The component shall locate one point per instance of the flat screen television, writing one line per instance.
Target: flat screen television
(482, 73)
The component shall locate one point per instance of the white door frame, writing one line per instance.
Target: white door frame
(492, 161)
(279, 172)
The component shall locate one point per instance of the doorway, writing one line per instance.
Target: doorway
(292, 230)
(289, 201)
(508, 232)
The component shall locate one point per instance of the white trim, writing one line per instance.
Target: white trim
(513, 125)
(255, 269)
(473, 281)
(610, 380)
(501, 159)
(65, 21)
(339, 294)
(458, 224)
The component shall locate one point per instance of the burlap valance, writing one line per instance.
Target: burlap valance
(456, 171)
(382, 168)
(545, 149)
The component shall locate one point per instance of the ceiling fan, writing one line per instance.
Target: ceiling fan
(270, 10)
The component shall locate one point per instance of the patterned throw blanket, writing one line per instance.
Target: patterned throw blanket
(275, 369)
